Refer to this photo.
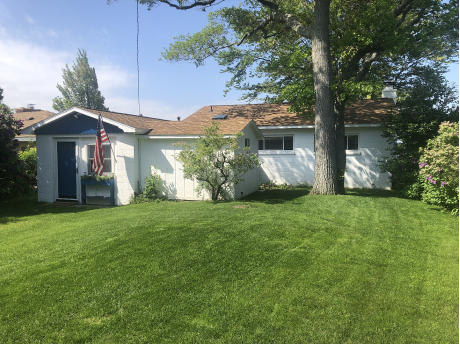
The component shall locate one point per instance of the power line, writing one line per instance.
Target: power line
(138, 89)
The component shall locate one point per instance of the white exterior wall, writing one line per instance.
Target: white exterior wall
(159, 154)
(298, 166)
(251, 178)
(124, 168)
(45, 169)
(363, 169)
(292, 167)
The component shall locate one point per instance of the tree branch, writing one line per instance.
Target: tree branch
(195, 4)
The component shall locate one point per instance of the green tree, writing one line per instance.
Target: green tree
(216, 161)
(273, 40)
(80, 87)
(13, 177)
(425, 101)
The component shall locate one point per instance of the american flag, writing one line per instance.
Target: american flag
(101, 136)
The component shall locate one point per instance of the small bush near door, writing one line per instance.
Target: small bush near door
(151, 191)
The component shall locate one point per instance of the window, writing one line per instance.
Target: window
(351, 142)
(107, 159)
(247, 143)
(277, 143)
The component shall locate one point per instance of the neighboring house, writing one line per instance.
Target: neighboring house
(29, 116)
(65, 149)
(284, 142)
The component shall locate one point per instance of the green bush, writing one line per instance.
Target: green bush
(151, 192)
(29, 156)
(439, 168)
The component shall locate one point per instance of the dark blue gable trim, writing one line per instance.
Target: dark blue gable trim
(71, 125)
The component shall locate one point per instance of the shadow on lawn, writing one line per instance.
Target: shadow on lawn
(375, 193)
(14, 209)
(276, 196)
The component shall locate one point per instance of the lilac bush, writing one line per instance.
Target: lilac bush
(439, 168)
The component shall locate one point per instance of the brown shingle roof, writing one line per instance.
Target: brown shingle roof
(369, 111)
(131, 120)
(227, 127)
(32, 117)
(161, 127)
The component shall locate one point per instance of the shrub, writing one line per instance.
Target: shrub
(216, 161)
(29, 156)
(13, 177)
(439, 168)
(151, 190)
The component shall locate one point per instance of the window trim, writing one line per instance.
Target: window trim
(247, 142)
(352, 150)
(277, 150)
(91, 158)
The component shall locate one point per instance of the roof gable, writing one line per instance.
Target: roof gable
(63, 122)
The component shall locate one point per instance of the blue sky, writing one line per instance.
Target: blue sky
(39, 37)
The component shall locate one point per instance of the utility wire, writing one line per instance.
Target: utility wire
(138, 92)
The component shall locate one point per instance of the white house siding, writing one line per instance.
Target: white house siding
(124, 168)
(126, 178)
(251, 178)
(292, 167)
(45, 169)
(159, 153)
(363, 169)
(298, 166)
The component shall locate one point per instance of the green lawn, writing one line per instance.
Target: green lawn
(275, 267)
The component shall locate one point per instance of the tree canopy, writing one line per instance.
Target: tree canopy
(273, 40)
(425, 101)
(80, 87)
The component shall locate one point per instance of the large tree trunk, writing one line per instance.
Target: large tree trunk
(325, 146)
(340, 145)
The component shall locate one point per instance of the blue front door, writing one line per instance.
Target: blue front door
(67, 170)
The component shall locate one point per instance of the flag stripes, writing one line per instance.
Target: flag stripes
(101, 136)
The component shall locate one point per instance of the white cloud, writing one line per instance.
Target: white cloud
(30, 73)
(29, 19)
(111, 77)
(149, 108)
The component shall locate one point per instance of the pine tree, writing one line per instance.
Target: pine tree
(80, 86)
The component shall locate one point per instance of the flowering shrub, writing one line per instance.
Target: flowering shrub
(439, 168)
(216, 161)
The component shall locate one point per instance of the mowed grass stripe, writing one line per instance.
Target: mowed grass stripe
(276, 267)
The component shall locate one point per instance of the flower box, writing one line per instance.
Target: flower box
(110, 183)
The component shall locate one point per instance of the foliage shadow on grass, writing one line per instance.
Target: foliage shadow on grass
(276, 196)
(13, 209)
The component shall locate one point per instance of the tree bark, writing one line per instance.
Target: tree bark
(325, 143)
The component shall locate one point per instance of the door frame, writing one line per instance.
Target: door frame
(75, 140)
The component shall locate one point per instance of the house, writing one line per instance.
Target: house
(287, 151)
(29, 115)
(65, 150)
(284, 142)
